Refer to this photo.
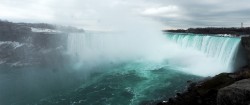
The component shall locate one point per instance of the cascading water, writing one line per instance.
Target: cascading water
(195, 54)
(97, 48)
(222, 49)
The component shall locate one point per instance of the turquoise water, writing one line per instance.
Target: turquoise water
(127, 84)
(130, 83)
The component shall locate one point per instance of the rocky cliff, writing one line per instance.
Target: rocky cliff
(24, 44)
(222, 89)
(235, 94)
(245, 41)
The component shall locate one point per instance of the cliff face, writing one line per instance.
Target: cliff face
(245, 41)
(33, 62)
(23, 44)
(215, 91)
(235, 94)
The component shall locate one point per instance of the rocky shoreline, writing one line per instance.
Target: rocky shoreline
(222, 89)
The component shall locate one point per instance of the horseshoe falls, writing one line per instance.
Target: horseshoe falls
(223, 49)
(226, 53)
(202, 55)
(111, 68)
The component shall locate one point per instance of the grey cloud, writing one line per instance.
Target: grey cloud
(87, 13)
(205, 13)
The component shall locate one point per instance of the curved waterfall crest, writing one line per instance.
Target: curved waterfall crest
(196, 54)
(223, 49)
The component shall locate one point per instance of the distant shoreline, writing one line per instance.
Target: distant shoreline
(214, 30)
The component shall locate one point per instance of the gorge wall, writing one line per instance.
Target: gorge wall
(245, 41)
(24, 44)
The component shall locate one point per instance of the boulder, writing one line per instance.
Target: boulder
(235, 94)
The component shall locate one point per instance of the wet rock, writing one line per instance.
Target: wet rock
(189, 81)
(235, 94)
(203, 92)
(178, 94)
(170, 100)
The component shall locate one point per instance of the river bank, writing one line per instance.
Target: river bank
(222, 89)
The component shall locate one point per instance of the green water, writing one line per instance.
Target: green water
(127, 84)
(130, 83)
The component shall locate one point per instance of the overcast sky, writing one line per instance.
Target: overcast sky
(90, 13)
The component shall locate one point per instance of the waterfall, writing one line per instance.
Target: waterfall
(191, 53)
(95, 46)
(224, 49)
(111, 47)
(86, 48)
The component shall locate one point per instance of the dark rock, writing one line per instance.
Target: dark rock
(205, 92)
(178, 94)
(189, 81)
(170, 100)
(235, 94)
(191, 86)
(245, 41)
